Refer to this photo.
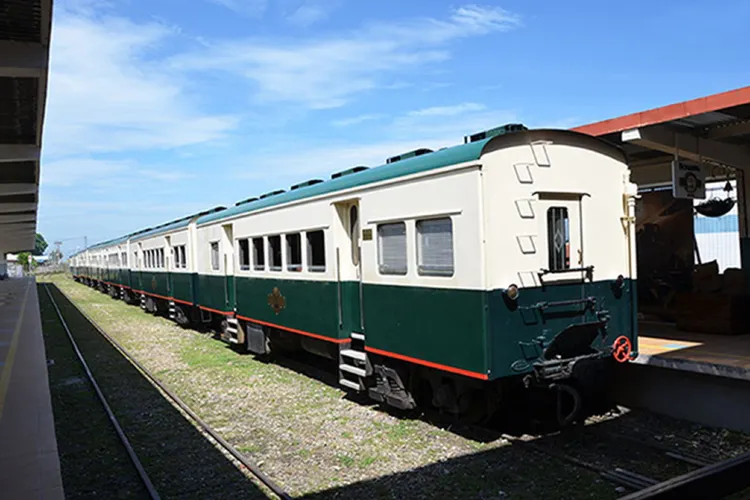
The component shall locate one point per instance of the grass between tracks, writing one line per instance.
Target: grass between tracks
(304, 433)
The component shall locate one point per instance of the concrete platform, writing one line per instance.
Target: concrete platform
(663, 345)
(29, 462)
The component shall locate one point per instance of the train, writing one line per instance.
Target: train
(446, 279)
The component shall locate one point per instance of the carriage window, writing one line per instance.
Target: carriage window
(435, 247)
(274, 252)
(392, 248)
(316, 252)
(161, 258)
(179, 257)
(124, 259)
(259, 258)
(183, 254)
(294, 252)
(354, 233)
(558, 238)
(215, 255)
(244, 247)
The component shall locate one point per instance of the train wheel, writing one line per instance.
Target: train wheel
(477, 407)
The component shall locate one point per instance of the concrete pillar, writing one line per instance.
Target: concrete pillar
(743, 214)
(3, 266)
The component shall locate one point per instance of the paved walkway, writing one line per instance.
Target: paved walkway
(29, 463)
(662, 344)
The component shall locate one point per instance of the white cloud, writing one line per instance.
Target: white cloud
(251, 8)
(308, 14)
(457, 109)
(108, 90)
(77, 171)
(356, 120)
(328, 72)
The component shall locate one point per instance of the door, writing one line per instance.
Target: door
(349, 268)
(229, 264)
(563, 260)
(169, 265)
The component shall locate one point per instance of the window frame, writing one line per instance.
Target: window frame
(423, 270)
(240, 265)
(310, 266)
(271, 266)
(292, 266)
(262, 253)
(380, 259)
(558, 260)
(211, 255)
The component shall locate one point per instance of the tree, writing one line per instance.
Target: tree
(27, 261)
(40, 246)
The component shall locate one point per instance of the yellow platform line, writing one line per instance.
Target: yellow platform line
(5, 377)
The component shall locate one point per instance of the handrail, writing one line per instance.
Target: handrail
(589, 270)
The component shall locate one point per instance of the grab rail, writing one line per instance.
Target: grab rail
(589, 270)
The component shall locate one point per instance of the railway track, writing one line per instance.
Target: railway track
(135, 460)
(703, 473)
(725, 478)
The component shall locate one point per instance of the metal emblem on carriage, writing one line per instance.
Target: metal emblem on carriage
(276, 300)
(153, 283)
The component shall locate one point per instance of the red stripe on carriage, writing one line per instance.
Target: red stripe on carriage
(460, 371)
(216, 311)
(294, 330)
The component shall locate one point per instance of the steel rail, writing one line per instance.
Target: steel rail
(278, 490)
(120, 433)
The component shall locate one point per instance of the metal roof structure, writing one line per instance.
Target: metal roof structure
(713, 130)
(400, 168)
(25, 27)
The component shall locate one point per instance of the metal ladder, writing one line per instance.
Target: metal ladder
(354, 366)
(172, 310)
(232, 329)
(143, 302)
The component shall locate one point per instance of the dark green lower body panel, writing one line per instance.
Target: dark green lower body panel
(521, 331)
(212, 293)
(306, 306)
(183, 287)
(154, 283)
(445, 327)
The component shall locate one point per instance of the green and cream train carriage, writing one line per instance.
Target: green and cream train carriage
(434, 279)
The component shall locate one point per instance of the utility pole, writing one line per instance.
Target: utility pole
(57, 253)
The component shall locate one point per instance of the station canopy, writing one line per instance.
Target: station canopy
(24, 59)
(712, 130)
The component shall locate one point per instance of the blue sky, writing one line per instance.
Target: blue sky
(160, 109)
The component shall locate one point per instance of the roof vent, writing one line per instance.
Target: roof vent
(272, 193)
(242, 202)
(349, 171)
(311, 182)
(410, 154)
(505, 129)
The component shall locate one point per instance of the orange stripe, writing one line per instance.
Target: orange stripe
(156, 295)
(451, 369)
(182, 301)
(294, 330)
(215, 311)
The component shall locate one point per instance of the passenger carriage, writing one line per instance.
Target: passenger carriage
(436, 279)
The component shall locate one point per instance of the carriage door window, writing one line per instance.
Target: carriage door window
(558, 238)
(354, 233)
(215, 256)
